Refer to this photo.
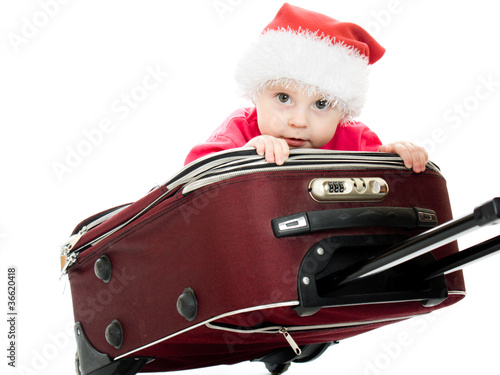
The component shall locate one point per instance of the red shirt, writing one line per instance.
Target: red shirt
(241, 126)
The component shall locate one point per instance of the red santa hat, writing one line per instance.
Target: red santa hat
(315, 53)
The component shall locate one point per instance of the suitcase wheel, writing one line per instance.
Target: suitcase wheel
(279, 361)
(277, 369)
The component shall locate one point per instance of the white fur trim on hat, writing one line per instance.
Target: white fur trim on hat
(311, 62)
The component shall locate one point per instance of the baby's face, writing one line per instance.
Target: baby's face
(301, 120)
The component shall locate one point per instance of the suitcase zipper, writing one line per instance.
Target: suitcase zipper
(68, 262)
(285, 331)
(67, 246)
(205, 181)
(273, 330)
(68, 258)
(222, 175)
(222, 168)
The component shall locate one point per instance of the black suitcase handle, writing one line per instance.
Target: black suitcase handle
(315, 221)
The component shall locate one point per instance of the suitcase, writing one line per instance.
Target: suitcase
(235, 259)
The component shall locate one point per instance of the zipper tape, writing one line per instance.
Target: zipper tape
(197, 184)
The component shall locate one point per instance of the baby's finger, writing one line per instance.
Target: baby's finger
(269, 149)
(423, 157)
(417, 157)
(257, 144)
(414, 155)
(385, 148)
(281, 151)
(402, 150)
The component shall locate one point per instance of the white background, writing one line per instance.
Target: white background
(65, 69)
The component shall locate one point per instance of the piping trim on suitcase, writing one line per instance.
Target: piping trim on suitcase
(264, 307)
(236, 312)
(457, 292)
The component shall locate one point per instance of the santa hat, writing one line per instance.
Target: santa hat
(315, 53)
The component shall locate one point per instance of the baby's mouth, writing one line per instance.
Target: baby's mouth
(295, 142)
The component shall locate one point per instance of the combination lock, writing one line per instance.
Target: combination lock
(366, 189)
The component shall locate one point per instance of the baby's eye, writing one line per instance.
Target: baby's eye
(283, 98)
(321, 104)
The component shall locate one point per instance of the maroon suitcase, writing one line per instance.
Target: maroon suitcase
(235, 259)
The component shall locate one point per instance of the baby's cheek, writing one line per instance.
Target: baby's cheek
(323, 139)
(267, 129)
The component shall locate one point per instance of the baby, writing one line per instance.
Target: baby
(307, 76)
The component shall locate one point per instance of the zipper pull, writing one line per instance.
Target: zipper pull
(290, 340)
(67, 246)
(70, 260)
(67, 259)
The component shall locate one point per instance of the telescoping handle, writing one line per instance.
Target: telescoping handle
(486, 214)
(314, 221)
(458, 260)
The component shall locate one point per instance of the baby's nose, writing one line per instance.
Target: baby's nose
(298, 118)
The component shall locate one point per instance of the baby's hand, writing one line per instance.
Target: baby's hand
(413, 156)
(276, 150)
